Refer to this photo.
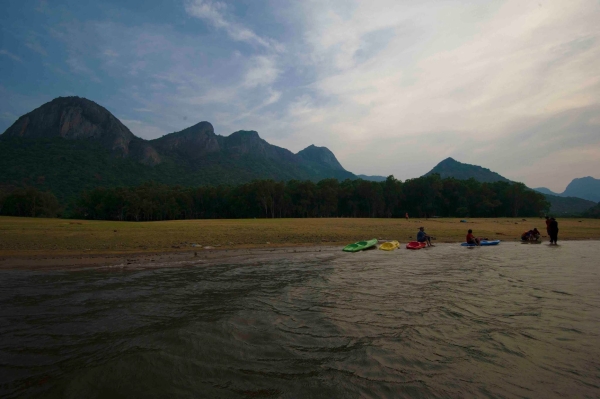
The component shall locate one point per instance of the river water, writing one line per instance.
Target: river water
(502, 322)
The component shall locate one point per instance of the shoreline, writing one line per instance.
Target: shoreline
(188, 258)
(35, 243)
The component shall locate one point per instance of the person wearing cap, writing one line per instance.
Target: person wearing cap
(424, 237)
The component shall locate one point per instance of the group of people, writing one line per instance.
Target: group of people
(530, 235)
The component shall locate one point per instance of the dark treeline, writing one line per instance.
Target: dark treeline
(29, 202)
(421, 197)
(593, 212)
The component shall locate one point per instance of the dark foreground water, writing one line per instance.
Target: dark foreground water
(507, 321)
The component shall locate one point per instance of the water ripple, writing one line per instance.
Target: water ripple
(510, 321)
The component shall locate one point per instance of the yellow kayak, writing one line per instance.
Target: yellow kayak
(390, 245)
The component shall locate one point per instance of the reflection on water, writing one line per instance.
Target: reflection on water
(507, 321)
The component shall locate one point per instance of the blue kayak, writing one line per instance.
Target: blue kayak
(483, 243)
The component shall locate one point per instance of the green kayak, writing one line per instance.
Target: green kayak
(359, 246)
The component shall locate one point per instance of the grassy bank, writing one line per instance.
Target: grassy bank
(28, 236)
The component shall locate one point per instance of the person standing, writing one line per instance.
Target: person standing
(553, 231)
(548, 225)
(406, 215)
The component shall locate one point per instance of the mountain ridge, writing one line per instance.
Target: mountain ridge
(587, 188)
(70, 127)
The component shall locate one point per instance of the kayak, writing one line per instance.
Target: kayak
(359, 246)
(483, 243)
(416, 245)
(389, 246)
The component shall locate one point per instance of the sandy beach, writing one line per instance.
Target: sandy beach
(59, 243)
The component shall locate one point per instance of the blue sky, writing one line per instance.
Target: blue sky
(390, 87)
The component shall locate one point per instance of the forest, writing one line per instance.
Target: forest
(427, 196)
(421, 197)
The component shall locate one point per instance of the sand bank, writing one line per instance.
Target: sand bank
(60, 243)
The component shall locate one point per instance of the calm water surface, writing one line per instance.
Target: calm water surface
(503, 322)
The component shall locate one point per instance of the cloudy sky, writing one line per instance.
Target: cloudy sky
(391, 87)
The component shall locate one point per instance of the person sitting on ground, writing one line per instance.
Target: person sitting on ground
(423, 237)
(471, 239)
(535, 234)
(526, 236)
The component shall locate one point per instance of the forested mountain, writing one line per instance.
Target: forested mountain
(449, 167)
(593, 212)
(561, 206)
(71, 144)
(585, 187)
(462, 171)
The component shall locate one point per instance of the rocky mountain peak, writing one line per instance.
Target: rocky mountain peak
(73, 118)
(193, 142)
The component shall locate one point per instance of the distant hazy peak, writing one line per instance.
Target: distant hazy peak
(320, 155)
(450, 167)
(545, 190)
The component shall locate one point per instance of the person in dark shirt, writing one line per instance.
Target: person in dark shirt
(471, 239)
(423, 237)
(553, 231)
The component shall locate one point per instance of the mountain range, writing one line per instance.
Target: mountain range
(71, 144)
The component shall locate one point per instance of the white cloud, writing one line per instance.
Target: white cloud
(33, 44)
(78, 65)
(410, 84)
(390, 87)
(215, 12)
(262, 71)
(11, 55)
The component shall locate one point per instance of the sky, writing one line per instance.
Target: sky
(391, 87)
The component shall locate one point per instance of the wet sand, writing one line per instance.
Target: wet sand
(168, 259)
(58, 243)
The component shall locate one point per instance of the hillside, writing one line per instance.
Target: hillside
(545, 190)
(449, 167)
(585, 187)
(71, 144)
(562, 206)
